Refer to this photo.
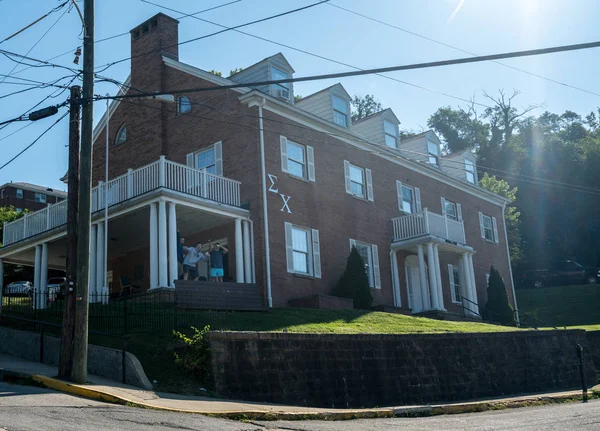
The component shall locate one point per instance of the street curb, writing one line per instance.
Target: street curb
(422, 411)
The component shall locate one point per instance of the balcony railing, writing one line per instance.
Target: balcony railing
(162, 173)
(428, 223)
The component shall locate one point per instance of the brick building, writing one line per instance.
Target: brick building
(290, 186)
(25, 196)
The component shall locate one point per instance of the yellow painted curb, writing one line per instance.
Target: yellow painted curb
(77, 390)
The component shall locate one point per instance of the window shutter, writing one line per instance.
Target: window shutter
(495, 225)
(310, 156)
(189, 160)
(481, 225)
(289, 249)
(451, 277)
(369, 184)
(418, 199)
(219, 158)
(399, 193)
(376, 273)
(284, 156)
(443, 207)
(316, 254)
(347, 175)
(459, 211)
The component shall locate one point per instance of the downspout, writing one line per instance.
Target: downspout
(512, 280)
(264, 193)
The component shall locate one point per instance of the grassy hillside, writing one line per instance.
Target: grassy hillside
(562, 305)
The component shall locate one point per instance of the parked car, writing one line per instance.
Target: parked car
(562, 273)
(56, 287)
(19, 288)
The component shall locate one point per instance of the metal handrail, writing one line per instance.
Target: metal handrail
(544, 324)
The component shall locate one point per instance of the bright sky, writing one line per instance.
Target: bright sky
(478, 26)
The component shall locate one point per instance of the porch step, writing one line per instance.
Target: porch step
(206, 295)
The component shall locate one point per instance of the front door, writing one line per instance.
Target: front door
(416, 301)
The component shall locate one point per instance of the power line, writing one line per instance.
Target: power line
(459, 49)
(34, 142)
(37, 87)
(106, 66)
(303, 51)
(127, 33)
(514, 54)
(35, 22)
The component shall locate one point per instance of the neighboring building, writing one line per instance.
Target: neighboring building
(427, 234)
(25, 196)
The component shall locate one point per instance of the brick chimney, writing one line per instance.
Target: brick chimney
(151, 40)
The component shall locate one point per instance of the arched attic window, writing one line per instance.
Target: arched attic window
(184, 105)
(121, 136)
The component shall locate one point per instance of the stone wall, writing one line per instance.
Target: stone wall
(594, 346)
(351, 371)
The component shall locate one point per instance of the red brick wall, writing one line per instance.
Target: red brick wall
(28, 200)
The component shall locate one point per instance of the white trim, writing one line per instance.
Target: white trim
(283, 150)
(376, 270)
(207, 76)
(453, 284)
(114, 104)
(369, 181)
(418, 199)
(495, 228)
(310, 161)
(347, 177)
(316, 255)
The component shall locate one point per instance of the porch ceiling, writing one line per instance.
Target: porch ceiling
(446, 247)
(56, 255)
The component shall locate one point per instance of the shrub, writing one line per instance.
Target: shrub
(196, 355)
(354, 283)
(498, 309)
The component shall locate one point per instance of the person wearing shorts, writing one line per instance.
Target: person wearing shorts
(192, 257)
(216, 253)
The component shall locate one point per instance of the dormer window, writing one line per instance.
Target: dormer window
(340, 111)
(280, 90)
(391, 134)
(470, 170)
(433, 151)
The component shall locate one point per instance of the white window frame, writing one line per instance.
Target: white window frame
(283, 86)
(367, 183)
(191, 159)
(416, 198)
(307, 254)
(413, 205)
(451, 204)
(455, 288)
(493, 228)
(313, 250)
(184, 105)
(19, 194)
(309, 159)
(121, 132)
(386, 134)
(436, 155)
(40, 197)
(470, 171)
(373, 271)
(340, 113)
(303, 162)
(362, 184)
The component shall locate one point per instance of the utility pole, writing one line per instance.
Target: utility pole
(65, 363)
(80, 344)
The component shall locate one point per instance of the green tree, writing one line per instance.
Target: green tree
(215, 72)
(497, 308)
(236, 70)
(363, 106)
(354, 283)
(459, 129)
(511, 213)
(8, 214)
(298, 97)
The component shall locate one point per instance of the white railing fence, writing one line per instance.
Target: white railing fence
(162, 173)
(427, 222)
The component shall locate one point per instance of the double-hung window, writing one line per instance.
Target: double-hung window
(454, 274)
(470, 170)
(19, 193)
(489, 228)
(303, 254)
(184, 105)
(340, 111)
(40, 197)
(296, 156)
(206, 159)
(391, 134)
(370, 258)
(450, 210)
(409, 198)
(357, 181)
(281, 90)
(209, 158)
(433, 151)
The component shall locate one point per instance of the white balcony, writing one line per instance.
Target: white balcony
(428, 223)
(159, 174)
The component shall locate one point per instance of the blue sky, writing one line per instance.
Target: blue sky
(479, 26)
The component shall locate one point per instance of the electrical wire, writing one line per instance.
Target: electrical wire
(460, 49)
(37, 87)
(414, 66)
(34, 142)
(35, 22)
(106, 66)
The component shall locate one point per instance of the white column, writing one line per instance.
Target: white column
(1, 282)
(432, 277)
(463, 279)
(163, 278)
(396, 280)
(100, 270)
(420, 295)
(239, 257)
(467, 281)
(92, 276)
(247, 255)
(438, 276)
(153, 246)
(473, 284)
(173, 271)
(37, 272)
(44, 276)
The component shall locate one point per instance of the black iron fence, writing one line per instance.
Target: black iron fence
(149, 312)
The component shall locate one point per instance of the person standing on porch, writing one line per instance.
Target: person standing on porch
(192, 257)
(216, 253)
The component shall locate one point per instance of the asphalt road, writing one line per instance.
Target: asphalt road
(28, 408)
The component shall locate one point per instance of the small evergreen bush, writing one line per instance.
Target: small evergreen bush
(354, 282)
(498, 309)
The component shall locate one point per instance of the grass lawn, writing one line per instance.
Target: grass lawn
(563, 305)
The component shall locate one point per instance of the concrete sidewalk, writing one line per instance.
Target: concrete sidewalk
(113, 392)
